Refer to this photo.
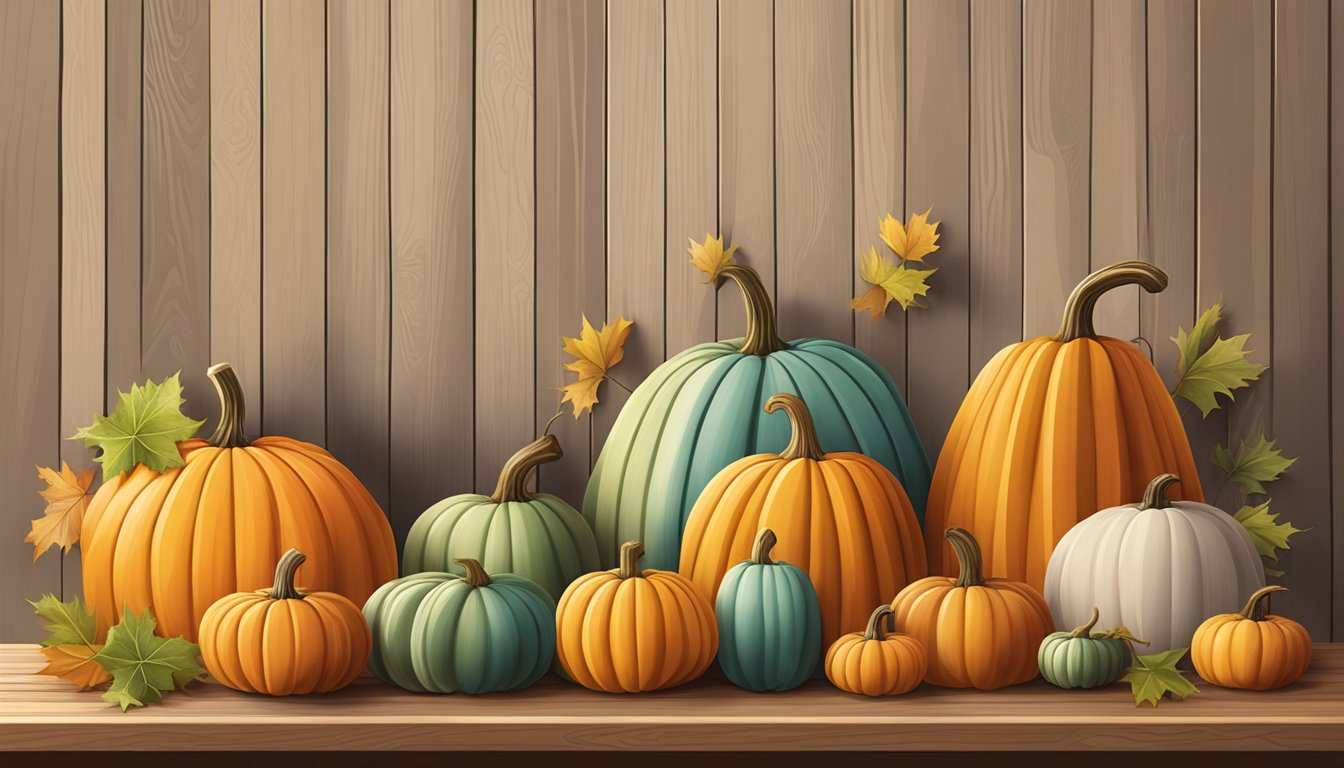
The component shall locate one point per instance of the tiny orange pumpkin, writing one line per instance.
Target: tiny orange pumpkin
(1251, 650)
(877, 662)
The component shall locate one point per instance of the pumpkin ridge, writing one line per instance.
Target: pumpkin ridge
(180, 508)
(98, 564)
(852, 524)
(822, 382)
(222, 535)
(1022, 446)
(313, 533)
(257, 557)
(837, 371)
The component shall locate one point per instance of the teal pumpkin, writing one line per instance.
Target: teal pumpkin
(700, 411)
(442, 633)
(1084, 659)
(534, 535)
(769, 622)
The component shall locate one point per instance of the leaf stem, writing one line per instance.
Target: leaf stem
(613, 380)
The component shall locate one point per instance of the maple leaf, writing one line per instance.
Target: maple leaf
(913, 241)
(75, 662)
(595, 353)
(890, 282)
(1156, 675)
(67, 496)
(1191, 345)
(1267, 534)
(143, 665)
(145, 428)
(1250, 467)
(1219, 369)
(710, 256)
(71, 642)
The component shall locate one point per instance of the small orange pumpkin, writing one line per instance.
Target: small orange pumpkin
(1251, 650)
(979, 633)
(627, 631)
(875, 662)
(284, 640)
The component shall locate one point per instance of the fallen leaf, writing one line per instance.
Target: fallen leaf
(595, 353)
(898, 283)
(710, 256)
(1156, 675)
(75, 663)
(1266, 532)
(145, 428)
(67, 622)
(143, 665)
(1250, 467)
(1218, 370)
(913, 241)
(67, 496)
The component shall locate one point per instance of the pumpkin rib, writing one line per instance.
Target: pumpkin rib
(255, 522)
(597, 643)
(134, 586)
(100, 539)
(1019, 467)
(306, 527)
(213, 532)
(688, 598)
(172, 546)
(846, 531)
(676, 630)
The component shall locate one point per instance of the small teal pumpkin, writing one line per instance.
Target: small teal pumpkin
(1084, 659)
(769, 622)
(443, 633)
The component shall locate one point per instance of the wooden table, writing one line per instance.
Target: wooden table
(39, 713)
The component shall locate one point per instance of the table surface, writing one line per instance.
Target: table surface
(40, 713)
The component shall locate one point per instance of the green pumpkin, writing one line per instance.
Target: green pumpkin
(700, 411)
(1083, 658)
(442, 633)
(534, 535)
(769, 622)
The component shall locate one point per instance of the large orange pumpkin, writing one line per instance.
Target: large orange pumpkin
(178, 541)
(1052, 430)
(842, 517)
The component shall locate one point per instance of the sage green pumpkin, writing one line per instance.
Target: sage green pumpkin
(534, 535)
(701, 410)
(443, 633)
(1082, 658)
(769, 622)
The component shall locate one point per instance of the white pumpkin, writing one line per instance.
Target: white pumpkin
(1158, 568)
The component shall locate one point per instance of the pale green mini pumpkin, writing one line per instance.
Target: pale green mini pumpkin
(1084, 659)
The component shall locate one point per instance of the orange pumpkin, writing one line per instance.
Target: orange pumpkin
(1054, 429)
(627, 631)
(876, 662)
(284, 640)
(979, 633)
(178, 541)
(842, 517)
(1251, 650)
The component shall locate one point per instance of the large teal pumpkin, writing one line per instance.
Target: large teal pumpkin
(534, 535)
(701, 410)
(769, 622)
(442, 633)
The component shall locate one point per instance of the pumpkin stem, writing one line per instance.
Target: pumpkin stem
(512, 485)
(1155, 496)
(760, 548)
(970, 563)
(476, 575)
(284, 588)
(761, 337)
(874, 631)
(803, 442)
(1086, 629)
(631, 551)
(1077, 322)
(1254, 608)
(232, 407)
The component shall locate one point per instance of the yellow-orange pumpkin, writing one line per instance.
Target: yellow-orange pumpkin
(627, 631)
(178, 541)
(979, 633)
(842, 517)
(284, 640)
(875, 662)
(1251, 650)
(1054, 429)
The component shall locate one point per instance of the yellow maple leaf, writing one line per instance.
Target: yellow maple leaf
(67, 497)
(710, 257)
(74, 662)
(890, 282)
(912, 241)
(595, 353)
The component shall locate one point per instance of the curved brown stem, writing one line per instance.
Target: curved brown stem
(1086, 629)
(476, 575)
(285, 570)
(512, 485)
(874, 630)
(631, 551)
(1077, 323)
(760, 548)
(970, 563)
(232, 407)
(803, 442)
(1254, 604)
(1155, 495)
(761, 337)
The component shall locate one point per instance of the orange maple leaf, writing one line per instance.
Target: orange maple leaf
(67, 497)
(595, 353)
(74, 662)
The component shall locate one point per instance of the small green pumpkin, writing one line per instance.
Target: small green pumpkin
(1083, 658)
(769, 622)
(443, 633)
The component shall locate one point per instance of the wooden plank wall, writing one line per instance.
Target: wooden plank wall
(386, 213)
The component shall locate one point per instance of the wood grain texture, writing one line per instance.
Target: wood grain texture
(125, 88)
(293, 211)
(431, 421)
(879, 162)
(235, 195)
(30, 293)
(505, 234)
(1337, 314)
(571, 216)
(175, 255)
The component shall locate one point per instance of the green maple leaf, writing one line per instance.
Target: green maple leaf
(1250, 467)
(1218, 370)
(70, 622)
(1155, 675)
(144, 429)
(1268, 535)
(1193, 344)
(143, 665)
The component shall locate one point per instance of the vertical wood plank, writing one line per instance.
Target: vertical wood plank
(1056, 128)
(879, 161)
(746, 147)
(814, 167)
(125, 86)
(358, 240)
(431, 189)
(293, 211)
(30, 291)
(996, 178)
(1337, 311)
(937, 174)
(175, 310)
(1301, 302)
(692, 162)
(505, 232)
(571, 215)
(235, 195)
